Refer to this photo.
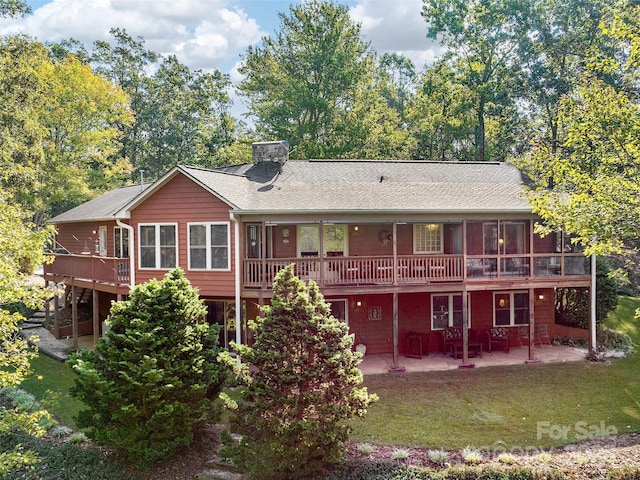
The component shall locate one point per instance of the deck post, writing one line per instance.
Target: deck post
(465, 331)
(592, 310)
(395, 330)
(56, 314)
(96, 315)
(74, 316)
(532, 328)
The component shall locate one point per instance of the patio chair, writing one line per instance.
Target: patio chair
(542, 332)
(523, 336)
(500, 337)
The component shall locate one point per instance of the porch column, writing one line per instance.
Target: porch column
(592, 310)
(465, 330)
(47, 313)
(74, 316)
(532, 328)
(394, 231)
(96, 315)
(395, 330)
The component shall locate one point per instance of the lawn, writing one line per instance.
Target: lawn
(516, 406)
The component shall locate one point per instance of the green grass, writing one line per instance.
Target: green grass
(507, 407)
(485, 407)
(50, 384)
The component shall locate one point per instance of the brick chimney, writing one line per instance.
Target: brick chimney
(274, 152)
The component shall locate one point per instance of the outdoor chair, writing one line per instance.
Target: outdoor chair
(542, 332)
(499, 337)
(523, 336)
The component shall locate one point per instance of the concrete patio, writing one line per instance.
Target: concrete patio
(383, 363)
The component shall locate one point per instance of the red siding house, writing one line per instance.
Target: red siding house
(409, 253)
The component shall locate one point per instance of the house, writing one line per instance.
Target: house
(401, 249)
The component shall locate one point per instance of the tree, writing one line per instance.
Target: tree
(180, 115)
(440, 116)
(482, 39)
(554, 55)
(590, 185)
(154, 375)
(57, 135)
(21, 249)
(302, 386)
(304, 84)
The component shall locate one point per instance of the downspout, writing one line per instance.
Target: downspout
(236, 247)
(132, 253)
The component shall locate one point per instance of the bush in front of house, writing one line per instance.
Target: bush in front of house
(302, 387)
(154, 375)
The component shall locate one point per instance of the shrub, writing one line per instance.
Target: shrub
(365, 449)
(471, 456)
(439, 457)
(302, 388)
(399, 454)
(152, 377)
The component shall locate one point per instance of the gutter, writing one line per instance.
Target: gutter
(236, 247)
(132, 253)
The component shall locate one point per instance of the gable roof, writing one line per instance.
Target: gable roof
(367, 186)
(356, 186)
(101, 208)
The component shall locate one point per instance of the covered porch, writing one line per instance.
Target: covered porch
(383, 363)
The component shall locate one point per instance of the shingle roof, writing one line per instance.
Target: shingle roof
(103, 207)
(392, 186)
(304, 186)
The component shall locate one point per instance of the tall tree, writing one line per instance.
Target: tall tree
(441, 119)
(302, 388)
(590, 184)
(58, 135)
(562, 37)
(482, 39)
(303, 82)
(181, 116)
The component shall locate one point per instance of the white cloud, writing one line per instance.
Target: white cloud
(396, 27)
(204, 34)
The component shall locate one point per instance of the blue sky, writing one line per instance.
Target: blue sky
(213, 34)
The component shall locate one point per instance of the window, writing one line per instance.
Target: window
(427, 238)
(121, 242)
(335, 240)
(158, 246)
(339, 309)
(209, 246)
(446, 311)
(510, 308)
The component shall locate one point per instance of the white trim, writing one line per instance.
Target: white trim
(157, 245)
(416, 226)
(346, 308)
(450, 309)
(511, 294)
(208, 246)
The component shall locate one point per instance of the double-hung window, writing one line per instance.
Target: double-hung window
(209, 246)
(158, 245)
(427, 238)
(510, 308)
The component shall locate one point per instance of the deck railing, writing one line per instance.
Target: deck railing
(414, 268)
(107, 270)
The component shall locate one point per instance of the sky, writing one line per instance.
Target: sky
(213, 34)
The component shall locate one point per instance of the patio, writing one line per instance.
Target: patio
(382, 363)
